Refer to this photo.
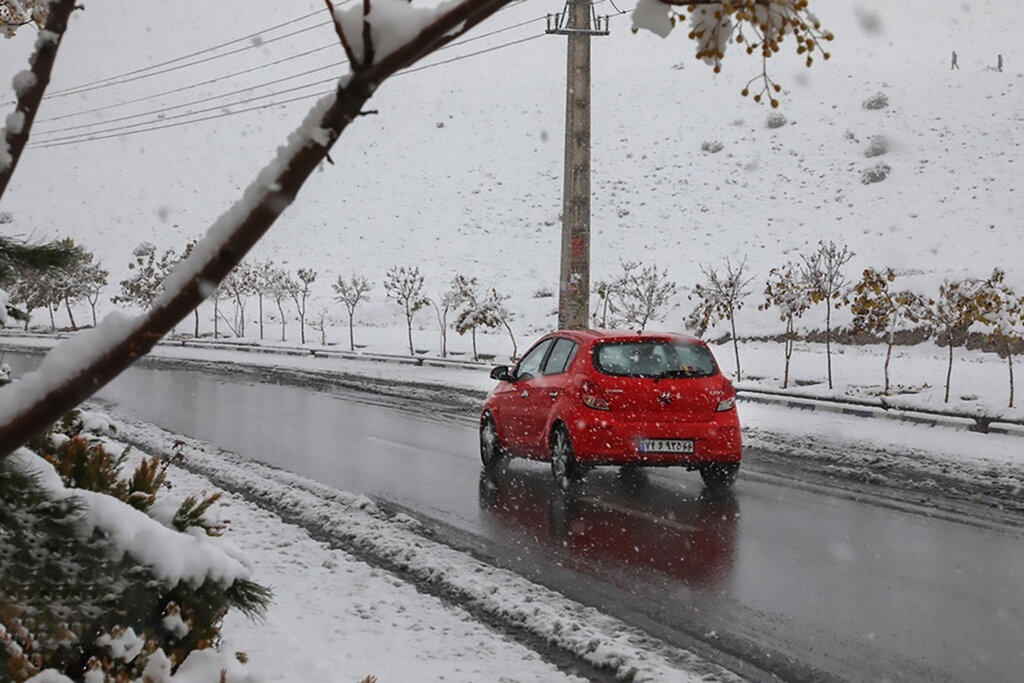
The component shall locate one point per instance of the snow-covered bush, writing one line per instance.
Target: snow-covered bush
(877, 146)
(877, 101)
(776, 120)
(711, 146)
(96, 589)
(875, 174)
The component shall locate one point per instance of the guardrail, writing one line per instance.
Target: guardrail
(881, 407)
(320, 352)
(884, 407)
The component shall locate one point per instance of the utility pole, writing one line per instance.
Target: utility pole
(578, 22)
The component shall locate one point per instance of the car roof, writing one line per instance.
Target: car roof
(596, 335)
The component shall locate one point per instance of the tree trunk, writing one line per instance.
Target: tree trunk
(828, 339)
(408, 326)
(216, 316)
(351, 333)
(788, 349)
(71, 316)
(1009, 361)
(735, 346)
(888, 357)
(280, 311)
(239, 316)
(515, 349)
(195, 314)
(949, 368)
(92, 307)
(260, 296)
(473, 335)
(53, 323)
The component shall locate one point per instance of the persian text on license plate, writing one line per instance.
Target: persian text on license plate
(666, 446)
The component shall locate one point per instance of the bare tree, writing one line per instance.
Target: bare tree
(474, 309)
(404, 286)
(604, 289)
(280, 284)
(239, 286)
(33, 292)
(823, 277)
(505, 316)
(443, 305)
(94, 281)
(419, 34)
(351, 292)
(299, 290)
(73, 282)
(638, 295)
(719, 297)
(320, 324)
(185, 253)
(784, 291)
(264, 277)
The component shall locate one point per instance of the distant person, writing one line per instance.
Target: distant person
(999, 64)
(953, 64)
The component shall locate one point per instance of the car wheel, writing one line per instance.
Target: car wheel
(492, 454)
(719, 474)
(563, 461)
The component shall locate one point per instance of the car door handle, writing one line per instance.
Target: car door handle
(525, 394)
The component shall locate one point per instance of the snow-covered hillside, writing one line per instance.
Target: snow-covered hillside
(460, 169)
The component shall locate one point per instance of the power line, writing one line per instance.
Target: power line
(164, 110)
(127, 130)
(187, 118)
(183, 88)
(90, 85)
(83, 89)
(150, 74)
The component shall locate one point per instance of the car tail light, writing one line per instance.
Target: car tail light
(593, 397)
(728, 400)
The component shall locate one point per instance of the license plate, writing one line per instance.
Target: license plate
(666, 446)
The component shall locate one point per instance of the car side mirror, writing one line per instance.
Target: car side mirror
(501, 373)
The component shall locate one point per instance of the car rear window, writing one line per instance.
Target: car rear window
(653, 358)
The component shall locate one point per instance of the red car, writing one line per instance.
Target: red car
(583, 398)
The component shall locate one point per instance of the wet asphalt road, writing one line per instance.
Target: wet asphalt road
(775, 578)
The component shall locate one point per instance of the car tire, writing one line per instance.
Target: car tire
(492, 453)
(564, 469)
(717, 475)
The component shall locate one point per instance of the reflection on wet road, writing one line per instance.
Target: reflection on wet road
(791, 579)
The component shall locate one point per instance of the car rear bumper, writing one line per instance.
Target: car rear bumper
(602, 440)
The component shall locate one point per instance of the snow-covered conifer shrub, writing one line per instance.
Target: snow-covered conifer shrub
(776, 120)
(877, 101)
(711, 146)
(76, 599)
(875, 174)
(543, 293)
(877, 146)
